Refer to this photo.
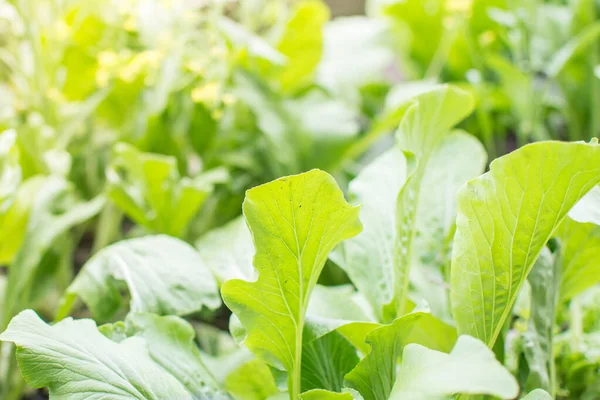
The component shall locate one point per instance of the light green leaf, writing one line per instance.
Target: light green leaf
(470, 368)
(424, 126)
(459, 157)
(76, 362)
(537, 394)
(228, 251)
(368, 258)
(325, 362)
(164, 276)
(171, 345)
(580, 257)
(505, 218)
(302, 43)
(375, 375)
(251, 381)
(320, 394)
(295, 222)
(53, 213)
(148, 188)
(544, 280)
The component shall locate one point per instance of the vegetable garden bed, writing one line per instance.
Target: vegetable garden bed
(247, 200)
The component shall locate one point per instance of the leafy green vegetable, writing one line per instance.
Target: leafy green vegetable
(295, 222)
(251, 381)
(148, 188)
(86, 364)
(163, 275)
(504, 220)
(470, 368)
(375, 375)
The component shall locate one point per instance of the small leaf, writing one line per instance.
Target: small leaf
(320, 394)
(302, 43)
(251, 381)
(164, 276)
(76, 362)
(325, 362)
(505, 218)
(470, 368)
(375, 375)
(537, 394)
(295, 222)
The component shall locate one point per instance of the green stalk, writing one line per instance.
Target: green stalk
(108, 228)
(595, 89)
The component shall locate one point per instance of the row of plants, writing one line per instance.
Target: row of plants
(143, 124)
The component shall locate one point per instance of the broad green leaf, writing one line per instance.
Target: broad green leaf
(148, 188)
(54, 211)
(470, 368)
(368, 258)
(10, 171)
(171, 345)
(505, 218)
(164, 276)
(580, 257)
(424, 126)
(544, 280)
(459, 157)
(295, 222)
(375, 375)
(228, 251)
(302, 43)
(76, 362)
(537, 394)
(325, 361)
(251, 381)
(321, 394)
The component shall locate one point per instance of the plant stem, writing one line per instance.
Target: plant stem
(108, 226)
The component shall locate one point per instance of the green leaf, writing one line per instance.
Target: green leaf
(171, 345)
(459, 157)
(375, 375)
(76, 362)
(53, 213)
(325, 361)
(295, 222)
(537, 394)
(320, 394)
(424, 126)
(580, 257)
(163, 275)
(251, 381)
(470, 368)
(148, 188)
(302, 43)
(544, 280)
(505, 218)
(228, 251)
(368, 258)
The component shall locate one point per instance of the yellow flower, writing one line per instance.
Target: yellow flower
(108, 58)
